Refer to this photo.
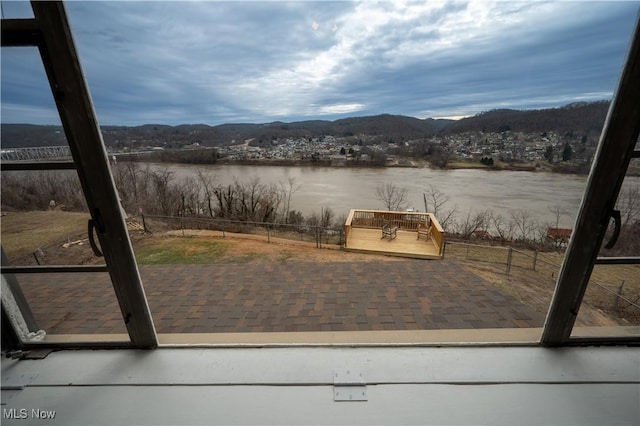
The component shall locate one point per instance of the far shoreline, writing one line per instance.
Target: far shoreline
(568, 168)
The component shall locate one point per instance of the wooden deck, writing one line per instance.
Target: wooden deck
(363, 233)
(365, 240)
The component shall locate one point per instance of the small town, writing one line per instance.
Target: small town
(506, 147)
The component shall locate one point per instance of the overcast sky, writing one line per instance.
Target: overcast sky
(218, 62)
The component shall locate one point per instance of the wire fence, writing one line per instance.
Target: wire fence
(508, 256)
(608, 290)
(321, 236)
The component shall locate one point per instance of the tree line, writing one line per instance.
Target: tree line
(157, 191)
(518, 226)
(154, 191)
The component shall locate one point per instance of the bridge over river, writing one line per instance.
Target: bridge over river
(47, 153)
(36, 153)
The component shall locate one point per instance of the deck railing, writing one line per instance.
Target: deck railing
(406, 221)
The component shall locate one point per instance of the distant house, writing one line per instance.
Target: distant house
(560, 236)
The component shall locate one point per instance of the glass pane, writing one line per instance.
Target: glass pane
(45, 219)
(613, 296)
(45, 216)
(16, 9)
(73, 303)
(26, 102)
(221, 251)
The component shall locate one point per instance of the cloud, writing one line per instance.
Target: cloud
(214, 62)
(339, 109)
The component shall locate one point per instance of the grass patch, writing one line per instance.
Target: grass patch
(179, 250)
(247, 258)
(24, 232)
(285, 256)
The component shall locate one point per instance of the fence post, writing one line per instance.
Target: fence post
(444, 248)
(509, 257)
(184, 212)
(144, 223)
(535, 259)
(618, 295)
(317, 237)
(268, 234)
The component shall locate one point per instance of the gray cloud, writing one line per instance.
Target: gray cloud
(214, 62)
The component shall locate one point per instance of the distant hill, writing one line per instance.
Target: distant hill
(388, 125)
(582, 118)
(19, 135)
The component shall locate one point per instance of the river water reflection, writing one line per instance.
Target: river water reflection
(342, 189)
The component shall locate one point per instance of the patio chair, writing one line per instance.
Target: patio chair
(388, 231)
(424, 229)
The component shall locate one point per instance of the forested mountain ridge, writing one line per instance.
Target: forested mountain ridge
(579, 118)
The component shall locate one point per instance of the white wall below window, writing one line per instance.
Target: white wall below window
(472, 385)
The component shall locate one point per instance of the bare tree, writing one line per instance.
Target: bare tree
(190, 192)
(393, 197)
(326, 216)
(227, 199)
(629, 205)
(19, 192)
(503, 227)
(340, 220)
(435, 201)
(166, 192)
(541, 235)
(135, 186)
(249, 201)
(524, 224)
(72, 193)
(291, 188)
(49, 182)
(207, 181)
(313, 219)
(474, 221)
(270, 203)
(295, 217)
(557, 212)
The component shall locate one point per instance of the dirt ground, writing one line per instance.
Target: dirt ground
(259, 250)
(62, 240)
(528, 288)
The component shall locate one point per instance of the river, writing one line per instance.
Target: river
(342, 188)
